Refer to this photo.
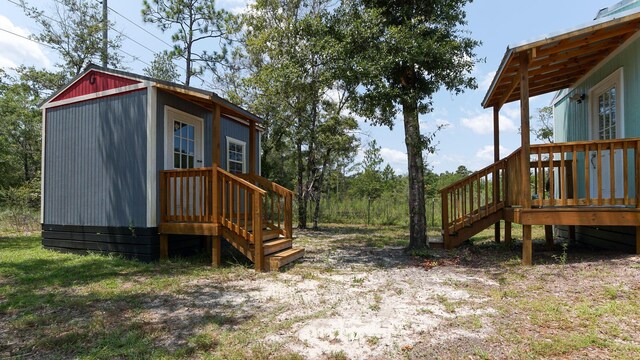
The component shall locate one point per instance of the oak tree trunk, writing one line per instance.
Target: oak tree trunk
(417, 212)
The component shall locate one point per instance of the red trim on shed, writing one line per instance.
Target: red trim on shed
(93, 82)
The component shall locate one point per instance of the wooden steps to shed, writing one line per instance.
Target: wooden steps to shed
(282, 258)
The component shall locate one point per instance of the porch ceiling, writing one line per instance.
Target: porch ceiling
(208, 100)
(558, 61)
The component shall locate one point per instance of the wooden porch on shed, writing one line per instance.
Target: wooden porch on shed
(250, 212)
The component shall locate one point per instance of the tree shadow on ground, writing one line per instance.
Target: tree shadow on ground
(55, 305)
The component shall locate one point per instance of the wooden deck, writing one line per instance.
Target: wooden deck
(252, 213)
(570, 185)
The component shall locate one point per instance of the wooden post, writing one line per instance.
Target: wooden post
(445, 219)
(252, 148)
(527, 245)
(288, 215)
(215, 136)
(496, 174)
(215, 159)
(164, 246)
(548, 236)
(216, 251)
(525, 196)
(257, 232)
(507, 232)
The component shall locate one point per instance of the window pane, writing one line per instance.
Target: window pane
(190, 131)
(184, 161)
(176, 128)
(176, 160)
(176, 144)
(191, 162)
(191, 147)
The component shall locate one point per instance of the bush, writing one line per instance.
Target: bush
(21, 204)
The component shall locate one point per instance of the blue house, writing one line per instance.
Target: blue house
(140, 167)
(585, 184)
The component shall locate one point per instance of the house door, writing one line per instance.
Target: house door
(606, 124)
(184, 150)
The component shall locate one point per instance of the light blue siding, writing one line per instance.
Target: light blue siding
(572, 119)
(95, 162)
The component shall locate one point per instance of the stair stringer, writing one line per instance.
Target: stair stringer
(464, 234)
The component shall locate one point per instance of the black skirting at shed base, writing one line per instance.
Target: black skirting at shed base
(134, 243)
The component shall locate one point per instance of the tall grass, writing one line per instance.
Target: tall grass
(390, 209)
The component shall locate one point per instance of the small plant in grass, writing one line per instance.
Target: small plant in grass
(373, 340)
(338, 355)
(421, 253)
(448, 305)
(612, 292)
(562, 258)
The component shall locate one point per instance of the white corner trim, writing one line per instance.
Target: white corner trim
(168, 135)
(152, 173)
(244, 152)
(96, 95)
(42, 144)
(617, 78)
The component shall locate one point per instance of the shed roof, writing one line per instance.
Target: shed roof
(201, 97)
(557, 61)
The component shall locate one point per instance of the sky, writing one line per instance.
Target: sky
(468, 137)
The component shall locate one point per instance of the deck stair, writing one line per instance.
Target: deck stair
(252, 213)
(544, 189)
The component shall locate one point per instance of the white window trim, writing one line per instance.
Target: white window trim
(231, 140)
(615, 78)
(168, 136)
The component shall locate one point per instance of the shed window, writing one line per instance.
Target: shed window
(183, 145)
(236, 155)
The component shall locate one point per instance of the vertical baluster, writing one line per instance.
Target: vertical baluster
(561, 174)
(477, 181)
(238, 209)
(574, 175)
(599, 172)
(246, 213)
(540, 182)
(486, 194)
(174, 177)
(278, 207)
(231, 204)
(223, 196)
(552, 191)
(587, 175)
(625, 170)
(612, 173)
(471, 205)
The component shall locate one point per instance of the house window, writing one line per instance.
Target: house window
(236, 156)
(606, 107)
(607, 114)
(183, 145)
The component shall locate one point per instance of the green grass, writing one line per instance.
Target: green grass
(87, 306)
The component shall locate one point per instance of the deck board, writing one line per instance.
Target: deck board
(590, 216)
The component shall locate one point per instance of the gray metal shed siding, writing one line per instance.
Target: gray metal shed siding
(95, 162)
(236, 130)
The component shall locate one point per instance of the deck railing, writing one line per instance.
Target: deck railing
(278, 201)
(473, 197)
(586, 173)
(186, 195)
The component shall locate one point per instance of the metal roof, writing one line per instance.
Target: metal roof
(557, 61)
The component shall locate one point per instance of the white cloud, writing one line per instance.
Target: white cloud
(429, 126)
(236, 6)
(486, 81)
(482, 122)
(15, 51)
(486, 153)
(396, 158)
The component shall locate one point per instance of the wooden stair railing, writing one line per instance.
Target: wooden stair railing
(562, 174)
(241, 211)
(251, 212)
(278, 205)
(475, 202)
